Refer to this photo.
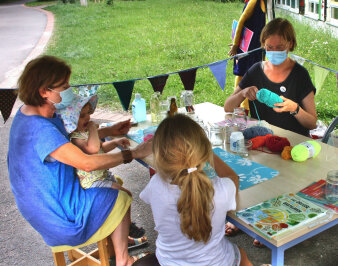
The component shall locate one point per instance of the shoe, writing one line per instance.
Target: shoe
(140, 256)
(136, 242)
(135, 232)
(258, 244)
(231, 230)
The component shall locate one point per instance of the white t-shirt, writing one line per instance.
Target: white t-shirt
(172, 246)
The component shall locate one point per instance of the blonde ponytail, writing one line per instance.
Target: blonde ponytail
(180, 144)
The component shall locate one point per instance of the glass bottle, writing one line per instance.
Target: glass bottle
(155, 107)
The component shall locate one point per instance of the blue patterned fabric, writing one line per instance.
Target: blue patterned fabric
(250, 173)
(137, 135)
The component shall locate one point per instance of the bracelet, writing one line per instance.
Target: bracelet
(296, 111)
(127, 156)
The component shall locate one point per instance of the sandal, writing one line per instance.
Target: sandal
(258, 244)
(231, 231)
(140, 256)
(135, 231)
(136, 242)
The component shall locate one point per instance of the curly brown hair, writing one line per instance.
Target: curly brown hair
(42, 72)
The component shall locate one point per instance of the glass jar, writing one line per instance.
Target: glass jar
(187, 102)
(216, 136)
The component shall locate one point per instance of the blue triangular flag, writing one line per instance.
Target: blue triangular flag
(219, 71)
(124, 90)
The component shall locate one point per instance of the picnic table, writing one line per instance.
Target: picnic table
(293, 176)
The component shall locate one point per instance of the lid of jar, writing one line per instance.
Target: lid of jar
(237, 135)
(137, 96)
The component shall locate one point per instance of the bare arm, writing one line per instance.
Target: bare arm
(244, 17)
(120, 128)
(306, 116)
(224, 170)
(238, 96)
(92, 144)
(73, 156)
(110, 145)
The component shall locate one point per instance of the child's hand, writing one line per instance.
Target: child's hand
(122, 142)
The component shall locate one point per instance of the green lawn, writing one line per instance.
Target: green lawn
(137, 39)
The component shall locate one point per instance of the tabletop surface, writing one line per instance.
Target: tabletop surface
(293, 176)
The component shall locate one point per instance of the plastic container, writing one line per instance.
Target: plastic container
(139, 108)
(237, 144)
(155, 107)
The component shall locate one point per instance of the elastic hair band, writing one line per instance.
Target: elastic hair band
(192, 169)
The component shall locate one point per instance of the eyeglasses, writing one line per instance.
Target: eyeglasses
(276, 48)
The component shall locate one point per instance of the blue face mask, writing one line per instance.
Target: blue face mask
(67, 97)
(276, 57)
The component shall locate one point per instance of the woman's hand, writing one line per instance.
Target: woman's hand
(233, 49)
(142, 150)
(250, 93)
(120, 128)
(286, 106)
(122, 142)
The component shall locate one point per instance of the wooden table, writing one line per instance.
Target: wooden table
(293, 177)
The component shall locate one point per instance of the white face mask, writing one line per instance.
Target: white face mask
(67, 97)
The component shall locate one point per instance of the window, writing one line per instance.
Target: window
(332, 12)
(292, 5)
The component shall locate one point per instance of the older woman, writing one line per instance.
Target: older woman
(282, 76)
(41, 162)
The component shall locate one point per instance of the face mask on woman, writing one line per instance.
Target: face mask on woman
(276, 57)
(66, 98)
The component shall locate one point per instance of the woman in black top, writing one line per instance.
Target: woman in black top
(283, 76)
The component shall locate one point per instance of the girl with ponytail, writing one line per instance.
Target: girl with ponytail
(189, 208)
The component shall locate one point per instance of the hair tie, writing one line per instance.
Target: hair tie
(192, 169)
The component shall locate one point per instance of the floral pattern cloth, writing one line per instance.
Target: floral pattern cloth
(250, 173)
(88, 178)
(70, 114)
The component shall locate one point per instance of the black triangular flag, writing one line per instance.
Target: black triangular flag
(124, 90)
(158, 82)
(7, 100)
(188, 78)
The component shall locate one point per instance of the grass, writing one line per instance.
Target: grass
(137, 39)
(40, 3)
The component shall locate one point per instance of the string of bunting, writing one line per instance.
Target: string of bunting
(125, 88)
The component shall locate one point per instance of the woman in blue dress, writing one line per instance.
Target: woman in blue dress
(41, 162)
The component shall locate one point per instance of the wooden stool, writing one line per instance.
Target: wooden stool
(99, 256)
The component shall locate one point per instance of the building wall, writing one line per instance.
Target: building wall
(321, 14)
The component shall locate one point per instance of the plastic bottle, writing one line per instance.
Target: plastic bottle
(155, 107)
(139, 108)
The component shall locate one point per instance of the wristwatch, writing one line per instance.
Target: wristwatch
(296, 111)
(127, 156)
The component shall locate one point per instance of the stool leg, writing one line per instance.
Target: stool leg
(103, 252)
(59, 259)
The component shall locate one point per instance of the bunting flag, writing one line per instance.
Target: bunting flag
(158, 82)
(188, 79)
(87, 91)
(320, 76)
(7, 100)
(124, 90)
(219, 71)
(299, 60)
